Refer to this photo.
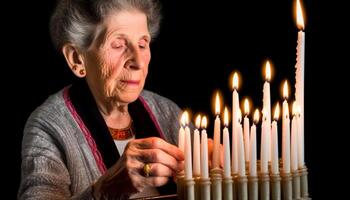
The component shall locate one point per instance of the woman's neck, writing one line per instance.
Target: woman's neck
(115, 115)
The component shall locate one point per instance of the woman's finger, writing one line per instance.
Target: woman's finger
(158, 169)
(158, 143)
(159, 156)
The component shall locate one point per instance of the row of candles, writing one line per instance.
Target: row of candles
(244, 149)
(244, 139)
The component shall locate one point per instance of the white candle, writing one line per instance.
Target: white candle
(235, 108)
(196, 149)
(252, 151)
(274, 142)
(299, 79)
(264, 145)
(204, 150)
(294, 141)
(246, 129)
(285, 132)
(216, 148)
(267, 108)
(181, 139)
(240, 147)
(226, 142)
(188, 151)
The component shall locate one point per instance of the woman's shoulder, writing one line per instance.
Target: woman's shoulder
(53, 108)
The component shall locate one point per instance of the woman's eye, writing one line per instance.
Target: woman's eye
(143, 45)
(117, 44)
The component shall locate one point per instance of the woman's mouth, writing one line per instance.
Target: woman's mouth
(131, 82)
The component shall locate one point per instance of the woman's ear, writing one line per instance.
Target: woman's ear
(74, 59)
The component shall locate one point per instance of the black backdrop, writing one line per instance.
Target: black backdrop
(199, 45)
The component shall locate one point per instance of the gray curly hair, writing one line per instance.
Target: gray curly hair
(75, 21)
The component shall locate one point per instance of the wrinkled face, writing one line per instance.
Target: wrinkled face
(117, 61)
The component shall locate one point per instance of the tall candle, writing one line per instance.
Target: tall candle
(264, 145)
(294, 141)
(267, 108)
(285, 132)
(299, 78)
(252, 151)
(204, 150)
(240, 147)
(226, 142)
(246, 129)
(196, 148)
(274, 142)
(181, 139)
(188, 150)
(235, 108)
(216, 149)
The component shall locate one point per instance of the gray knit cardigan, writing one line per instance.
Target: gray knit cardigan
(57, 159)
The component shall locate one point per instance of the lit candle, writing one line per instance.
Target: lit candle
(196, 148)
(294, 140)
(226, 142)
(216, 148)
(235, 108)
(246, 129)
(204, 150)
(267, 108)
(264, 144)
(299, 79)
(274, 141)
(240, 146)
(252, 151)
(188, 149)
(181, 139)
(285, 131)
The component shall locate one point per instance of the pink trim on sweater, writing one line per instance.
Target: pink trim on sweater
(96, 153)
(154, 119)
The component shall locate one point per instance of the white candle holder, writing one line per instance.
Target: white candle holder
(180, 185)
(296, 185)
(216, 183)
(189, 189)
(227, 188)
(204, 188)
(264, 186)
(304, 183)
(275, 180)
(253, 188)
(197, 188)
(235, 186)
(286, 186)
(242, 185)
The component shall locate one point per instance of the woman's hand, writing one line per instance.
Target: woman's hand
(127, 175)
(210, 153)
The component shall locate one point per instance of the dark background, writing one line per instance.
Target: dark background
(199, 45)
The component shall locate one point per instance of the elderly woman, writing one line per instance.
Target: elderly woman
(103, 137)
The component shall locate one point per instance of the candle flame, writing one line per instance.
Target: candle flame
(235, 81)
(285, 89)
(184, 118)
(198, 121)
(246, 106)
(300, 18)
(268, 71)
(217, 104)
(294, 108)
(277, 111)
(256, 116)
(204, 122)
(226, 117)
